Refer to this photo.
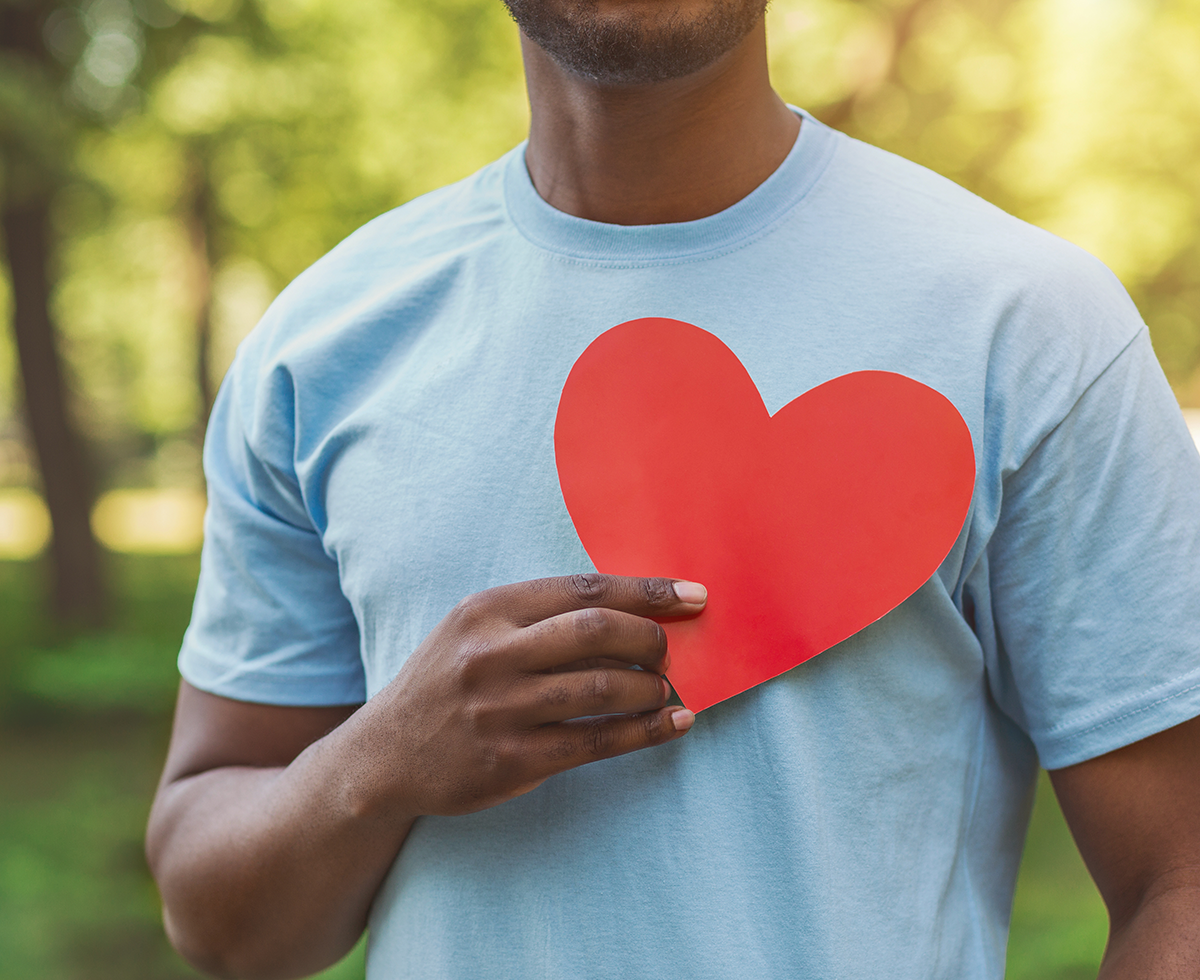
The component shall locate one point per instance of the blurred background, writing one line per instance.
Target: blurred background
(167, 166)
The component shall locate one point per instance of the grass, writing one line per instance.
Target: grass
(1059, 924)
(84, 721)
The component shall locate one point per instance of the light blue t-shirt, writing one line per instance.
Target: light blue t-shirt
(383, 446)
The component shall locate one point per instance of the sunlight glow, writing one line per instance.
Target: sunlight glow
(150, 522)
(24, 524)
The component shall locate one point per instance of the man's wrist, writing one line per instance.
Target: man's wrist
(362, 765)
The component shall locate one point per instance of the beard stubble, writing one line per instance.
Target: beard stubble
(625, 50)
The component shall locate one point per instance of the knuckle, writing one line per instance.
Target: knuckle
(659, 591)
(598, 688)
(471, 663)
(585, 587)
(652, 730)
(471, 609)
(592, 625)
(473, 718)
(504, 760)
(598, 738)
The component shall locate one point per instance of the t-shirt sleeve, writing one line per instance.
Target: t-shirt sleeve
(270, 622)
(1095, 570)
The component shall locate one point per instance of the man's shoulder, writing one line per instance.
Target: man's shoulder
(936, 218)
(445, 220)
(404, 248)
(961, 251)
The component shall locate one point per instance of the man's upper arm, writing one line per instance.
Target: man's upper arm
(270, 624)
(1090, 617)
(212, 732)
(1135, 814)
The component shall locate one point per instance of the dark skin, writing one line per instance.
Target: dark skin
(273, 827)
(1135, 814)
(650, 154)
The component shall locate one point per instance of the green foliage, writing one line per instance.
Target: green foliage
(50, 674)
(1059, 925)
(84, 722)
(78, 901)
(295, 120)
(102, 672)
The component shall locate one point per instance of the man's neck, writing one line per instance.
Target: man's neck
(650, 154)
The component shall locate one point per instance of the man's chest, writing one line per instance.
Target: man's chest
(431, 497)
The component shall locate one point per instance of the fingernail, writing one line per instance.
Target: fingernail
(682, 719)
(692, 592)
(666, 688)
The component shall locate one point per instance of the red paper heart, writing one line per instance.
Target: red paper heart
(805, 526)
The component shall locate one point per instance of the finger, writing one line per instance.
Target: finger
(592, 663)
(569, 744)
(591, 635)
(584, 693)
(529, 602)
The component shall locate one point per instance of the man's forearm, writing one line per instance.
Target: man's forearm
(270, 873)
(269, 837)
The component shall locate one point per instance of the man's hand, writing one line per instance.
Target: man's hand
(523, 681)
(270, 834)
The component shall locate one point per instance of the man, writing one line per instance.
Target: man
(382, 449)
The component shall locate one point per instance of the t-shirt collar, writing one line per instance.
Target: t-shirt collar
(558, 231)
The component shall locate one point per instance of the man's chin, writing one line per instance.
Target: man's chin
(636, 42)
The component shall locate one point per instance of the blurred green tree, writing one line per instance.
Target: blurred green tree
(67, 72)
(267, 136)
(290, 148)
(36, 141)
(67, 75)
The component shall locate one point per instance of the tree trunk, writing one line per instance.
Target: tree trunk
(198, 218)
(78, 584)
